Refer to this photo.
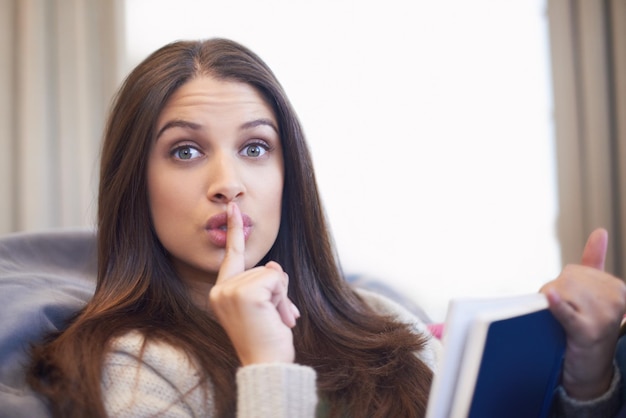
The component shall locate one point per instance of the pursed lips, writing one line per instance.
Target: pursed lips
(217, 228)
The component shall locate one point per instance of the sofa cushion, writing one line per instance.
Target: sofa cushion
(45, 277)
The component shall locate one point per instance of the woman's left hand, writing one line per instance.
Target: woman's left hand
(590, 304)
(253, 305)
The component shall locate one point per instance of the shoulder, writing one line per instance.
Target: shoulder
(385, 306)
(152, 352)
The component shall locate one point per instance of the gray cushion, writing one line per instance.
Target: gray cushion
(44, 278)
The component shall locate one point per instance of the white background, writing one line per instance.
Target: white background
(429, 123)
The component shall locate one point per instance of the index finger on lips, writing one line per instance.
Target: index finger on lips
(233, 263)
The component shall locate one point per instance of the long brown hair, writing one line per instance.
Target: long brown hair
(365, 363)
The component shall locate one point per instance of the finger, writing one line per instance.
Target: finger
(594, 253)
(287, 309)
(234, 262)
(274, 266)
(286, 312)
(563, 311)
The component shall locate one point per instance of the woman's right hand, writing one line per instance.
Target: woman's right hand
(252, 305)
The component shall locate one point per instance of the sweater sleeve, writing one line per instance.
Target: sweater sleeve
(276, 390)
(607, 405)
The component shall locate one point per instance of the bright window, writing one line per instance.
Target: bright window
(429, 122)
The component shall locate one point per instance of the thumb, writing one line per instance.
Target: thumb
(234, 262)
(594, 253)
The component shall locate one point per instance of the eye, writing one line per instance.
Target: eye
(186, 152)
(255, 150)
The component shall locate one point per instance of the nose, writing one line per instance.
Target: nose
(225, 182)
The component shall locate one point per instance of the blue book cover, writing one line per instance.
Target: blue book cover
(502, 357)
(520, 367)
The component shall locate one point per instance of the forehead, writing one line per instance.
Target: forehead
(206, 93)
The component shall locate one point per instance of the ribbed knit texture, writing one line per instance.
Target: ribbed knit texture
(287, 391)
(606, 405)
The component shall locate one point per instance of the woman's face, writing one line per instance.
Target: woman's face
(217, 141)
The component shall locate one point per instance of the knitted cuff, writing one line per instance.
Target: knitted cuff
(276, 390)
(606, 405)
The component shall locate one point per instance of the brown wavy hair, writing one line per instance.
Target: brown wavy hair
(365, 363)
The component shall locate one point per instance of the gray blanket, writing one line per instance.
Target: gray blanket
(44, 278)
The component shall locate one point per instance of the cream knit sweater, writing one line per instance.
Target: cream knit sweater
(164, 382)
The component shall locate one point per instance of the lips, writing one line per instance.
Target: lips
(217, 228)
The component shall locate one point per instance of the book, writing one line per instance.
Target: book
(502, 357)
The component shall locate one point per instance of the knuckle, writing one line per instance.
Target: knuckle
(215, 295)
(569, 272)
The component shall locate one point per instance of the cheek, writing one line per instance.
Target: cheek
(273, 207)
(158, 196)
(267, 203)
(272, 186)
(168, 197)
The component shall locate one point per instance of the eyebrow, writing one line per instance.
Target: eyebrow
(178, 123)
(259, 122)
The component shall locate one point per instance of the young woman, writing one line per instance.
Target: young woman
(219, 292)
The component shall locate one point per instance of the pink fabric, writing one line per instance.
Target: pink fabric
(436, 330)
